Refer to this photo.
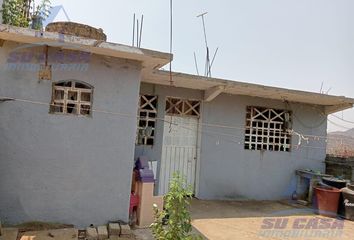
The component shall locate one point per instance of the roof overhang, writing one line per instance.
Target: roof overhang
(212, 87)
(149, 59)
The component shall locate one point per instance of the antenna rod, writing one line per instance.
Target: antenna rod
(207, 63)
(137, 33)
(212, 61)
(205, 36)
(141, 29)
(196, 64)
(321, 87)
(133, 30)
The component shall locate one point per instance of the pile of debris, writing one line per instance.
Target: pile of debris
(114, 231)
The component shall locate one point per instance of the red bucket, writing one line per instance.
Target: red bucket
(327, 200)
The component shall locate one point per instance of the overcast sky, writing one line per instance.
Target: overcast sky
(295, 44)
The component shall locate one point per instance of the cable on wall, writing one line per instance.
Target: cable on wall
(216, 134)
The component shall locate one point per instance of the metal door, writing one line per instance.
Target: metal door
(179, 150)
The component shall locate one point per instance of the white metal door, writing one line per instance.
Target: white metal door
(179, 150)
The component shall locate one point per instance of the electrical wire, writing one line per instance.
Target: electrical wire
(208, 132)
(338, 125)
(342, 119)
(243, 128)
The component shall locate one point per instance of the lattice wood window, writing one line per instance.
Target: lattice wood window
(182, 107)
(71, 97)
(147, 119)
(266, 129)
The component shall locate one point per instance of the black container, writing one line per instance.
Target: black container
(348, 201)
(337, 183)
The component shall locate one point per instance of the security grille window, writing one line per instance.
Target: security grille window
(147, 119)
(71, 97)
(182, 107)
(266, 129)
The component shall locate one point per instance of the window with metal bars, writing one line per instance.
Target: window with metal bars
(147, 119)
(267, 129)
(71, 97)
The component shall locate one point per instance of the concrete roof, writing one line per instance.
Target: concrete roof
(150, 59)
(153, 60)
(214, 86)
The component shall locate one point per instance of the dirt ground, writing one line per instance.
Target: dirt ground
(225, 220)
(238, 220)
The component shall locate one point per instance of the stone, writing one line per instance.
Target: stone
(9, 234)
(102, 232)
(122, 237)
(77, 29)
(114, 229)
(125, 229)
(91, 233)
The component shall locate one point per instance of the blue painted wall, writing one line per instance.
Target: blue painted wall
(227, 170)
(61, 168)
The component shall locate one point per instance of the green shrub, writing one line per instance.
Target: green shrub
(177, 201)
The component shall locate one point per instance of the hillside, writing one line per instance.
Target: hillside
(341, 143)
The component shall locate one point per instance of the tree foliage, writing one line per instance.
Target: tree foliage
(21, 13)
(14, 13)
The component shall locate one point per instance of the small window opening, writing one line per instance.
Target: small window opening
(72, 98)
(147, 114)
(267, 129)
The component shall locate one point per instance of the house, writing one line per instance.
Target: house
(69, 143)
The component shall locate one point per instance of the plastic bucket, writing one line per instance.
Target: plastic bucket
(337, 183)
(348, 196)
(327, 200)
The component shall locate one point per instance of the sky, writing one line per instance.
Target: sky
(297, 44)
